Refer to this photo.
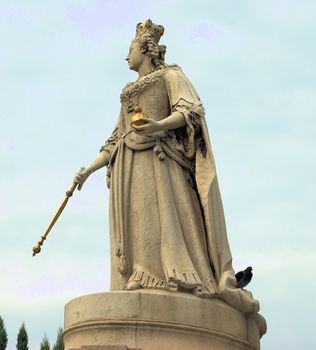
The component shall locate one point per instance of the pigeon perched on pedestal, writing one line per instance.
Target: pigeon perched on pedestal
(243, 277)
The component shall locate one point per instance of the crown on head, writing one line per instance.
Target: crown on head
(155, 30)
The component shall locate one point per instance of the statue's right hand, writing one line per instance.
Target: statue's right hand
(81, 176)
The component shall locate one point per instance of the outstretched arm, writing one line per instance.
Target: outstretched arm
(82, 175)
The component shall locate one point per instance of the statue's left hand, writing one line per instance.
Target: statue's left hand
(149, 127)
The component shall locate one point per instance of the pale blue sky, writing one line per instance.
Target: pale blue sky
(62, 68)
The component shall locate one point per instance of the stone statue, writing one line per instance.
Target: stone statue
(167, 227)
(172, 281)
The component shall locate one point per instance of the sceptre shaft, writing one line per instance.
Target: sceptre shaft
(37, 247)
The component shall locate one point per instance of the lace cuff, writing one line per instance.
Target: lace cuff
(111, 141)
(188, 136)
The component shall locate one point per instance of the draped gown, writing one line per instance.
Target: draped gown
(167, 227)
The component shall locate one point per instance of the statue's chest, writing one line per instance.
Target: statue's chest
(151, 95)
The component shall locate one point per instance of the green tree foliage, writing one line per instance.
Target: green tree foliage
(59, 345)
(45, 343)
(22, 341)
(3, 335)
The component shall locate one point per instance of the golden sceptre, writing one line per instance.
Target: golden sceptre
(37, 247)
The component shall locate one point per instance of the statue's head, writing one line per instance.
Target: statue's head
(146, 45)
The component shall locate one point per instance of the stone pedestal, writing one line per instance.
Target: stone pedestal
(149, 320)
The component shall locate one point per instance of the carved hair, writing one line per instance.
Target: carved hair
(152, 49)
(148, 34)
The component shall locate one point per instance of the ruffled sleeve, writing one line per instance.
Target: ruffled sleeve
(111, 142)
(183, 98)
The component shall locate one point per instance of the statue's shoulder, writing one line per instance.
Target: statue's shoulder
(173, 69)
(174, 74)
(127, 85)
(126, 90)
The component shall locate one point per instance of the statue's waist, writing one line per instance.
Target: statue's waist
(161, 142)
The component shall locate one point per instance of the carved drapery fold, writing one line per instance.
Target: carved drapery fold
(190, 148)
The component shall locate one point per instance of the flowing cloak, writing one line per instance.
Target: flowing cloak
(195, 152)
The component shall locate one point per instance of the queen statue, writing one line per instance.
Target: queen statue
(167, 226)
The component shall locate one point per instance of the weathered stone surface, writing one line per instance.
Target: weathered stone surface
(172, 281)
(105, 347)
(159, 321)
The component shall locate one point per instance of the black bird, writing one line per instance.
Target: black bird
(243, 277)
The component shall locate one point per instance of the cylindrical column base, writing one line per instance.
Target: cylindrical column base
(158, 321)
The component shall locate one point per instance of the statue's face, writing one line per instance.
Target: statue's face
(135, 56)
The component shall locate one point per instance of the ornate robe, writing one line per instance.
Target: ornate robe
(167, 227)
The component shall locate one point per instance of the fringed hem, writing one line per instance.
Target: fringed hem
(189, 280)
(144, 280)
(147, 281)
(206, 291)
(184, 278)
